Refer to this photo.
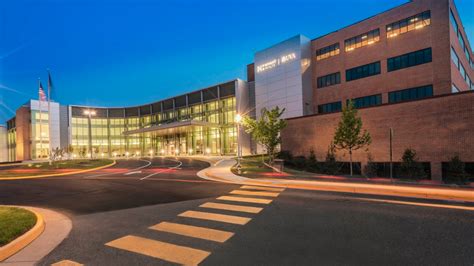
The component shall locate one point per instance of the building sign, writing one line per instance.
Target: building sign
(276, 62)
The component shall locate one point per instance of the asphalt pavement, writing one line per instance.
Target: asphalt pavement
(158, 212)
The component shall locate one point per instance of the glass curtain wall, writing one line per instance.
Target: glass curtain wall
(39, 134)
(108, 140)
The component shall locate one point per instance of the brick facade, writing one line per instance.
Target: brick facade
(437, 128)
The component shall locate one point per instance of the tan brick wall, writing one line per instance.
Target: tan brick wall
(23, 129)
(436, 128)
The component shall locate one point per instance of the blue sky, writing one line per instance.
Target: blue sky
(130, 52)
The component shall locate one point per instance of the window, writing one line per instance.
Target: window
(408, 60)
(410, 94)
(454, 89)
(362, 40)
(367, 101)
(462, 71)
(327, 52)
(330, 107)
(329, 80)
(417, 21)
(460, 38)
(453, 21)
(363, 71)
(454, 57)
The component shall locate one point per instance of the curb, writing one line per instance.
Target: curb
(60, 174)
(23, 240)
(358, 188)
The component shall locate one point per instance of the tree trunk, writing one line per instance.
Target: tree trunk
(350, 156)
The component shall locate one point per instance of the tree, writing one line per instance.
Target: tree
(266, 130)
(349, 135)
(410, 166)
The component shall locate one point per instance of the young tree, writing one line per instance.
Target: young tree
(349, 135)
(266, 130)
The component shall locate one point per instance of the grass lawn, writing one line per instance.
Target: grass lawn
(56, 167)
(14, 222)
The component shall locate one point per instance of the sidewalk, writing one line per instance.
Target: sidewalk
(57, 228)
(221, 171)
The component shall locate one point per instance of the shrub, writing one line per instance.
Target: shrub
(456, 171)
(299, 162)
(331, 167)
(370, 169)
(312, 162)
(410, 166)
(285, 155)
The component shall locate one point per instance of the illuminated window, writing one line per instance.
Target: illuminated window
(408, 60)
(363, 71)
(417, 21)
(362, 40)
(410, 94)
(327, 51)
(330, 107)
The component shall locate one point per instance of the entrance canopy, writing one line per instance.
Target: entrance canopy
(172, 128)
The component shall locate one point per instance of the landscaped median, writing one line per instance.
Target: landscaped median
(18, 228)
(57, 168)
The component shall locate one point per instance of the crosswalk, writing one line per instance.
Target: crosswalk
(238, 208)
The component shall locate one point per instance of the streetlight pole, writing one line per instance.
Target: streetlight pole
(89, 114)
(238, 119)
(391, 157)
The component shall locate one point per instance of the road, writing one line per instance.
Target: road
(158, 212)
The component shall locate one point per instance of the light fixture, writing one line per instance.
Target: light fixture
(176, 151)
(208, 150)
(115, 154)
(162, 151)
(102, 154)
(89, 112)
(190, 150)
(238, 118)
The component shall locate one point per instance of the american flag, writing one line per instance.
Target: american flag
(42, 95)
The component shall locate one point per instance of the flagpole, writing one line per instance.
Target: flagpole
(41, 122)
(49, 118)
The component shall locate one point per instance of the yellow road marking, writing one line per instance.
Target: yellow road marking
(161, 250)
(254, 193)
(263, 188)
(242, 199)
(216, 217)
(457, 207)
(194, 231)
(230, 207)
(67, 263)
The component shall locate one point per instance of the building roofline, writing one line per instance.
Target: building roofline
(150, 103)
(355, 23)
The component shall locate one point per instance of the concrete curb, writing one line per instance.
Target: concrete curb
(221, 172)
(25, 239)
(59, 174)
(57, 228)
